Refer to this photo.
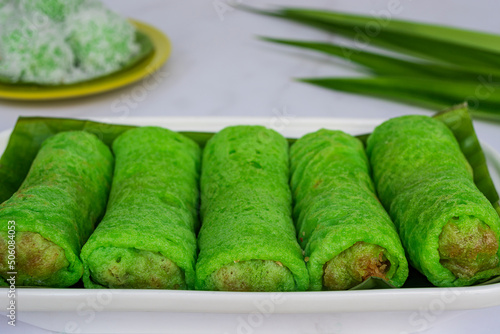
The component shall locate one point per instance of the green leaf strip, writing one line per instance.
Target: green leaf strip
(381, 64)
(436, 94)
(476, 51)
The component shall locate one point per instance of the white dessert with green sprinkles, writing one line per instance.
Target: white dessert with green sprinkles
(53, 42)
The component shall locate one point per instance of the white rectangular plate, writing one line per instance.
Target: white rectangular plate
(61, 300)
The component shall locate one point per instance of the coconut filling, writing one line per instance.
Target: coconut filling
(252, 275)
(354, 265)
(36, 259)
(467, 246)
(130, 268)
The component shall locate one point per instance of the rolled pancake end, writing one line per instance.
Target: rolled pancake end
(252, 275)
(354, 265)
(467, 246)
(130, 268)
(38, 261)
(147, 237)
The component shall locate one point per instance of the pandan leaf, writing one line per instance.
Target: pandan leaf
(476, 51)
(431, 93)
(381, 64)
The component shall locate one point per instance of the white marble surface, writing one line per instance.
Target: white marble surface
(218, 68)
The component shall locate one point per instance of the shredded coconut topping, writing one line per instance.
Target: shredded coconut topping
(62, 41)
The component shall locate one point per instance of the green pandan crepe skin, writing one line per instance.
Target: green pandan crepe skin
(247, 241)
(147, 237)
(56, 208)
(335, 204)
(424, 181)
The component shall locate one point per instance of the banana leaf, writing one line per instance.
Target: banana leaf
(460, 123)
(381, 64)
(429, 93)
(26, 139)
(146, 48)
(373, 283)
(474, 50)
(491, 281)
(30, 132)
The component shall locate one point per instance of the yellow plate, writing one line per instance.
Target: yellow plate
(145, 67)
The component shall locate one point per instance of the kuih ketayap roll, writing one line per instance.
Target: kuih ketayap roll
(247, 239)
(55, 210)
(448, 227)
(147, 237)
(346, 233)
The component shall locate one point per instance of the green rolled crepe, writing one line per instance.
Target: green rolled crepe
(147, 237)
(449, 229)
(247, 239)
(55, 210)
(346, 233)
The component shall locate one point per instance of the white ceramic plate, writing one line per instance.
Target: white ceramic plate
(195, 303)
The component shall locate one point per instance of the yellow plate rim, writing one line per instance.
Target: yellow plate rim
(146, 67)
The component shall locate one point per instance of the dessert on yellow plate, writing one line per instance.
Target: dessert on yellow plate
(62, 42)
(55, 50)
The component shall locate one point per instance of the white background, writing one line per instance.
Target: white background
(218, 68)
